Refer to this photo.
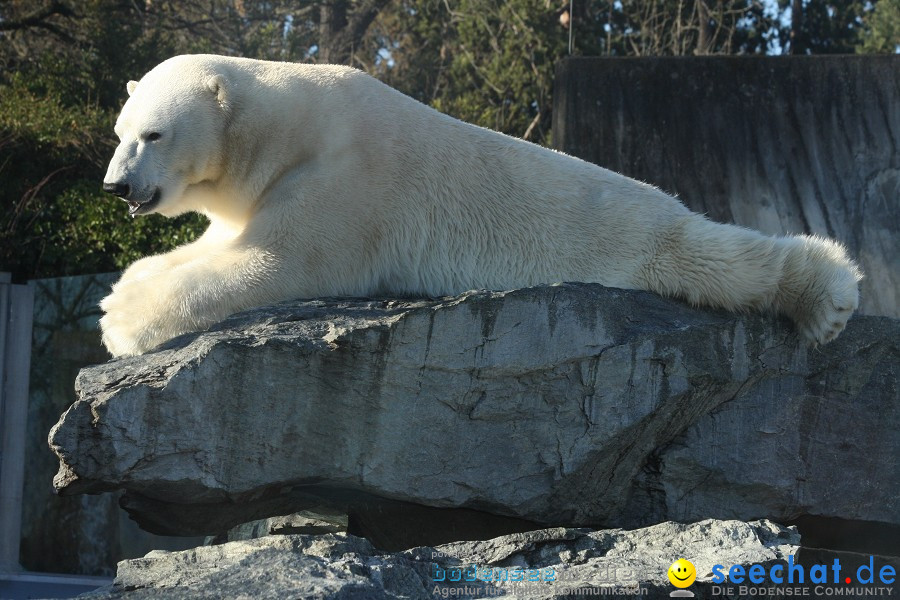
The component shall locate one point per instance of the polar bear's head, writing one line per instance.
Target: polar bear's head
(171, 137)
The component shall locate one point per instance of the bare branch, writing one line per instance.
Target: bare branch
(39, 18)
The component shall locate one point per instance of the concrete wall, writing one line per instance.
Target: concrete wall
(779, 144)
(87, 534)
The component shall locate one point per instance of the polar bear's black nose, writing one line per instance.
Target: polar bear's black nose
(119, 189)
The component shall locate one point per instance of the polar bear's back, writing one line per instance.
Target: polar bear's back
(503, 212)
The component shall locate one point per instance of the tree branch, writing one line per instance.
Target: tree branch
(39, 18)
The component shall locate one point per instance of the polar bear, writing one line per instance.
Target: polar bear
(319, 180)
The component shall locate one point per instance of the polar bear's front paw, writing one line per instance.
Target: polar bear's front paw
(131, 324)
(119, 338)
(829, 294)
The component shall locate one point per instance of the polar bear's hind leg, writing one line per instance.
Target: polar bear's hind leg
(810, 279)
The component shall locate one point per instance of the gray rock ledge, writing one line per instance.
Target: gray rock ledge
(573, 405)
(343, 566)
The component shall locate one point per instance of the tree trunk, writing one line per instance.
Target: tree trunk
(332, 22)
(704, 39)
(342, 26)
(796, 46)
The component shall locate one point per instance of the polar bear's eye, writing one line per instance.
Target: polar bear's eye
(152, 137)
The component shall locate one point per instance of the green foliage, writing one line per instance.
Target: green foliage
(501, 73)
(488, 62)
(97, 227)
(34, 110)
(832, 27)
(57, 108)
(883, 34)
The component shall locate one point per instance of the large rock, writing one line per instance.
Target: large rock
(615, 562)
(561, 405)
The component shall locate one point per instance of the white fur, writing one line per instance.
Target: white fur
(322, 181)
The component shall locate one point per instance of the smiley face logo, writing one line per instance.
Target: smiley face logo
(682, 573)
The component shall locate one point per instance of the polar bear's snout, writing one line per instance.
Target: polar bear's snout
(117, 189)
(133, 176)
(135, 207)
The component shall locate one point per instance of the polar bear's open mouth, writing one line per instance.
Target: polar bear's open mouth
(140, 208)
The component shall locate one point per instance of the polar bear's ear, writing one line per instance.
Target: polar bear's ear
(216, 85)
(130, 87)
